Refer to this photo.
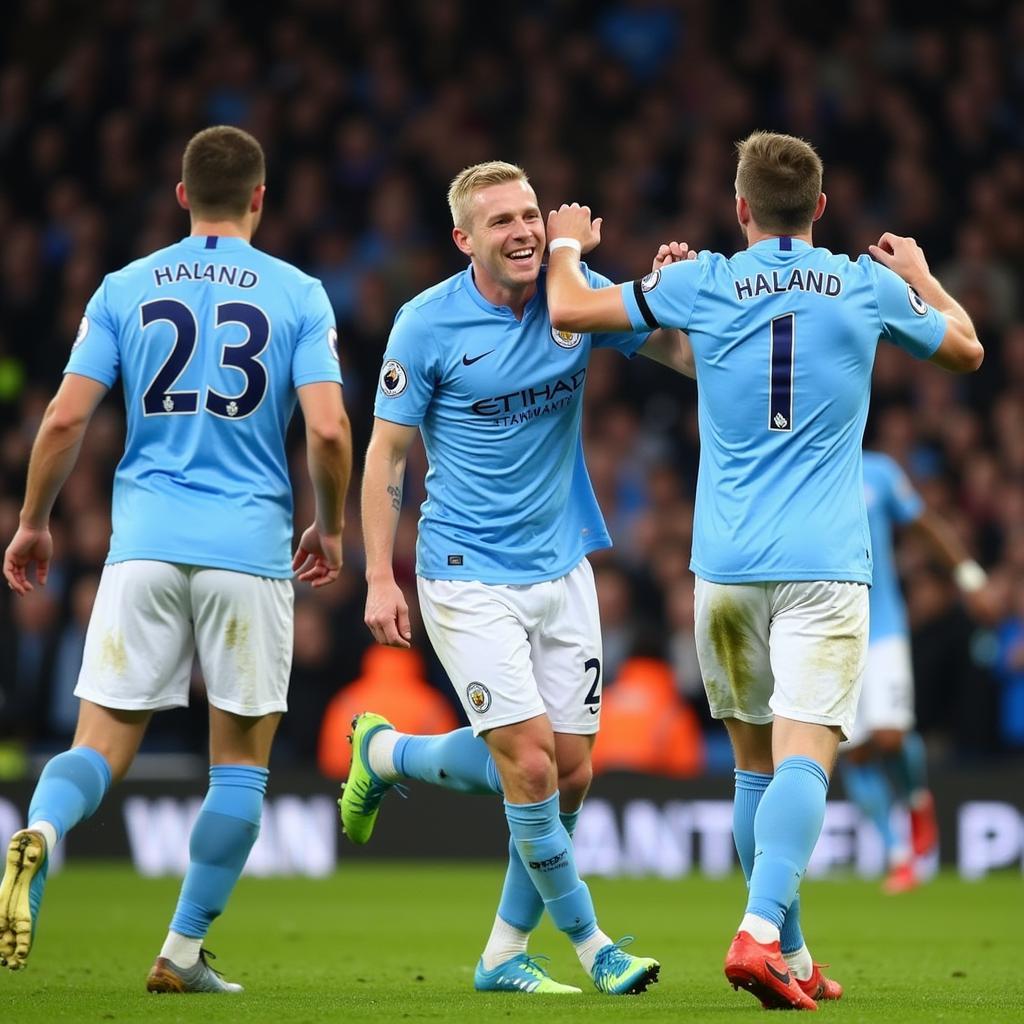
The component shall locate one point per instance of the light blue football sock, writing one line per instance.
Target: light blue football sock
(70, 788)
(546, 852)
(786, 827)
(867, 786)
(750, 787)
(521, 905)
(222, 836)
(908, 767)
(456, 760)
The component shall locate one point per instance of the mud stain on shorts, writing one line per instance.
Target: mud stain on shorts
(730, 635)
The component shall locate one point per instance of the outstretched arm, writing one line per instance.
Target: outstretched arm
(670, 346)
(54, 454)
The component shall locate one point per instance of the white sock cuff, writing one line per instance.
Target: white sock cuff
(380, 752)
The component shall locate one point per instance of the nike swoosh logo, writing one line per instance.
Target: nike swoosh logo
(594, 711)
(784, 978)
(466, 361)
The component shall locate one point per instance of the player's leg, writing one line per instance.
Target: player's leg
(521, 906)
(731, 629)
(566, 653)
(138, 651)
(884, 712)
(244, 634)
(902, 749)
(818, 644)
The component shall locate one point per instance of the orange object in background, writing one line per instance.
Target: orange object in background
(646, 726)
(391, 685)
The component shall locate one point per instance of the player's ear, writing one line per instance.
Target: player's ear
(179, 194)
(257, 198)
(461, 240)
(742, 211)
(820, 208)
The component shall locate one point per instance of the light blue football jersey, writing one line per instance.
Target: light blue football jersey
(210, 337)
(891, 501)
(499, 403)
(784, 339)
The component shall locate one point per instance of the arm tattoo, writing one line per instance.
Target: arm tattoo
(396, 497)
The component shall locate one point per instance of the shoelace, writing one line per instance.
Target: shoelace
(533, 965)
(614, 953)
(203, 955)
(374, 792)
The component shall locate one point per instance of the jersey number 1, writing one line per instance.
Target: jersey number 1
(780, 413)
(161, 400)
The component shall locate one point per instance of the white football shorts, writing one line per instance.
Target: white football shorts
(514, 652)
(795, 649)
(150, 619)
(887, 697)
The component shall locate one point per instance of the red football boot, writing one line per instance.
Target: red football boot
(901, 878)
(924, 828)
(760, 969)
(817, 986)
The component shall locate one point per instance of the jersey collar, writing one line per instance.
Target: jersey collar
(215, 243)
(502, 311)
(780, 243)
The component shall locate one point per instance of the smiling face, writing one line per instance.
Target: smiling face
(505, 240)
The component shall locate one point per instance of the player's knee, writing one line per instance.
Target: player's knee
(574, 782)
(534, 773)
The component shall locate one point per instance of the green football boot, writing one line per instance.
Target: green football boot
(520, 973)
(618, 973)
(363, 791)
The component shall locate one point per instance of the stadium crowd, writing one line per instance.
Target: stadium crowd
(366, 110)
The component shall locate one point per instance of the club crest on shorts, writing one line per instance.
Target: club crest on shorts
(393, 378)
(565, 339)
(83, 330)
(650, 281)
(917, 304)
(479, 697)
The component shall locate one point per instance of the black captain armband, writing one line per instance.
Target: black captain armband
(641, 301)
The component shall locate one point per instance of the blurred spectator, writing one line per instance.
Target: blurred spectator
(1009, 668)
(646, 726)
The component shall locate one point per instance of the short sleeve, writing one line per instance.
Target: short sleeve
(315, 358)
(665, 297)
(907, 320)
(95, 352)
(626, 342)
(410, 371)
(905, 504)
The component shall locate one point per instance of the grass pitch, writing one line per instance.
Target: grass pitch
(398, 942)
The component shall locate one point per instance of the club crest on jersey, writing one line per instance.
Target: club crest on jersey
(565, 339)
(917, 304)
(393, 378)
(332, 341)
(83, 330)
(479, 697)
(650, 281)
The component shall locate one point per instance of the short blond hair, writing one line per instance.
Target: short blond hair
(780, 178)
(469, 181)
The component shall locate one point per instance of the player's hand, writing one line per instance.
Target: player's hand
(28, 546)
(673, 252)
(317, 559)
(387, 614)
(902, 255)
(571, 220)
